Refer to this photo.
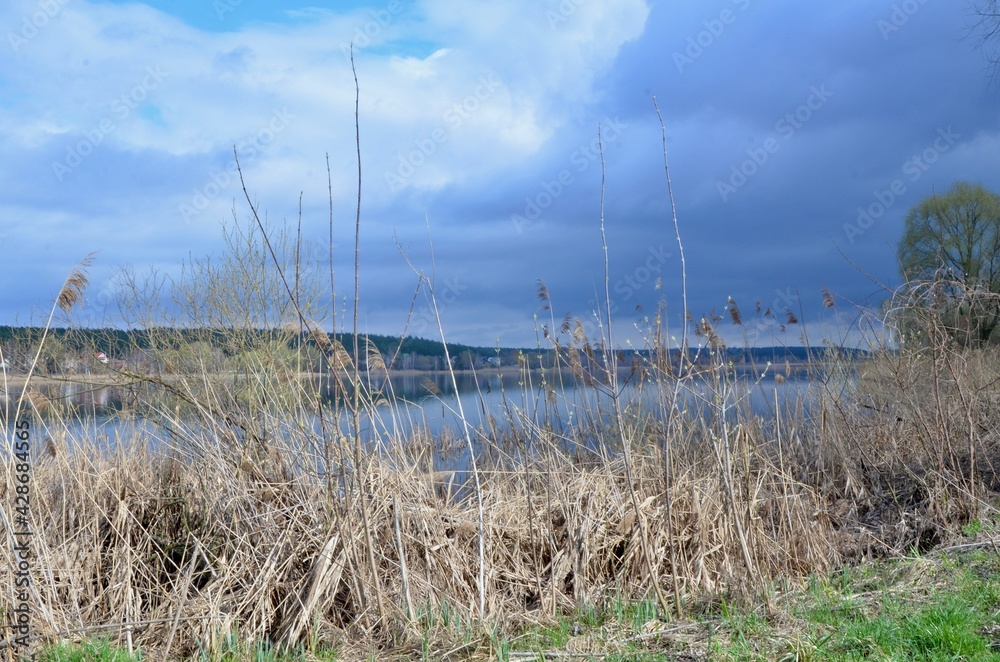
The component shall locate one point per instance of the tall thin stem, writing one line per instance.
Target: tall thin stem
(611, 370)
(667, 445)
(680, 246)
(356, 408)
(429, 282)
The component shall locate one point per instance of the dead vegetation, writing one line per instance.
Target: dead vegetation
(225, 530)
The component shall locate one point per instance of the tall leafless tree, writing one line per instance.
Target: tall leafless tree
(985, 31)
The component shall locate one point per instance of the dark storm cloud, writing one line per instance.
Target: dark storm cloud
(798, 136)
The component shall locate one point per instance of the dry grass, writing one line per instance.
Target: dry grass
(232, 526)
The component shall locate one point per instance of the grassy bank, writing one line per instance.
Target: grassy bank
(252, 521)
(943, 605)
(939, 606)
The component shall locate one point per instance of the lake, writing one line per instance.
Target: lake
(428, 401)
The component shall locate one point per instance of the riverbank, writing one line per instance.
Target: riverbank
(940, 605)
(253, 519)
(13, 383)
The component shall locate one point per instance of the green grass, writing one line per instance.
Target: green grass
(937, 607)
(931, 608)
(232, 650)
(236, 650)
(90, 651)
(918, 609)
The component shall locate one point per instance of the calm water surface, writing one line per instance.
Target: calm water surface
(429, 401)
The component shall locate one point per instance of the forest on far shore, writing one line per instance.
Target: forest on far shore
(75, 351)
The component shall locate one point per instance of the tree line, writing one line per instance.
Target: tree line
(70, 350)
(167, 350)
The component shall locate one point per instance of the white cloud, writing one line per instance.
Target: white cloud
(92, 63)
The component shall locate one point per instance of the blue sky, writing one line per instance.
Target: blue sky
(798, 137)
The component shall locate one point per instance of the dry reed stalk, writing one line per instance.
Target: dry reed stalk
(357, 384)
(273, 562)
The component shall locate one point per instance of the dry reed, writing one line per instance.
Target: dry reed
(195, 539)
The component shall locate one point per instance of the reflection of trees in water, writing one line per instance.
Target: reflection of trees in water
(496, 403)
(81, 399)
(91, 400)
(410, 387)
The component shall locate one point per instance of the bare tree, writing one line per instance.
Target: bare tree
(985, 30)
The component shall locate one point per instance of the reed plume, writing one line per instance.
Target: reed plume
(543, 294)
(734, 313)
(828, 300)
(375, 360)
(73, 288)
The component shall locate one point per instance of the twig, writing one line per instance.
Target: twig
(657, 633)
(680, 244)
(963, 547)
(474, 465)
(410, 614)
(553, 656)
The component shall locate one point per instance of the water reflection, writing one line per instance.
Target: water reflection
(428, 401)
(418, 415)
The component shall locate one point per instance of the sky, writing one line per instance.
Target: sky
(797, 136)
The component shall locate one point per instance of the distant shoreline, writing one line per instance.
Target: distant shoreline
(15, 383)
